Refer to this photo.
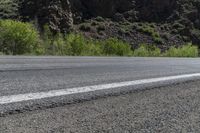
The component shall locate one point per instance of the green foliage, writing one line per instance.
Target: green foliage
(71, 44)
(166, 35)
(18, 38)
(188, 50)
(147, 51)
(94, 23)
(85, 27)
(141, 52)
(178, 26)
(99, 19)
(47, 40)
(101, 28)
(80, 46)
(150, 30)
(8, 8)
(185, 51)
(114, 46)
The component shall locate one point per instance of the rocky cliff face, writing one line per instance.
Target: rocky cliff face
(175, 17)
(104, 8)
(55, 13)
(62, 12)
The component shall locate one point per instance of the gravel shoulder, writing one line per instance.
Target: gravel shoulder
(168, 109)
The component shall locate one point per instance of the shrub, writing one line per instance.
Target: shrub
(185, 51)
(70, 44)
(114, 46)
(99, 19)
(18, 38)
(77, 43)
(94, 23)
(166, 36)
(178, 26)
(47, 40)
(80, 46)
(101, 28)
(141, 52)
(59, 45)
(158, 40)
(150, 30)
(8, 8)
(85, 27)
(55, 44)
(147, 51)
(94, 48)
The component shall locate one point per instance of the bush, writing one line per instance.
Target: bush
(18, 38)
(141, 52)
(158, 40)
(85, 27)
(185, 51)
(80, 46)
(147, 51)
(8, 8)
(94, 23)
(178, 26)
(55, 44)
(150, 30)
(47, 41)
(101, 28)
(99, 19)
(117, 47)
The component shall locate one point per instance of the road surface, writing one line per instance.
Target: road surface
(24, 77)
(171, 109)
(34, 74)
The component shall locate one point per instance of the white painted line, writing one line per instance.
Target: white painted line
(69, 91)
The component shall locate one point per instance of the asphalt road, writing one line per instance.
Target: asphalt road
(23, 75)
(34, 74)
(172, 109)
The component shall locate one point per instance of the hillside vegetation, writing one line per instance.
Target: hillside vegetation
(100, 27)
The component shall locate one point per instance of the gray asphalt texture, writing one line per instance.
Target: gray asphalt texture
(23, 74)
(20, 75)
(145, 110)
(172, 109)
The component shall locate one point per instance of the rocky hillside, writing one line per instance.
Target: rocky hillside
(161, 22)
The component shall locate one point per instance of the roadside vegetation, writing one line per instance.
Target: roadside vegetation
(147, 51)
(19, 38)
(185, 51)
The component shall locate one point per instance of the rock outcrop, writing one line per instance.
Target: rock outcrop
(179, 17)
(55, 13)
(58, 13)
